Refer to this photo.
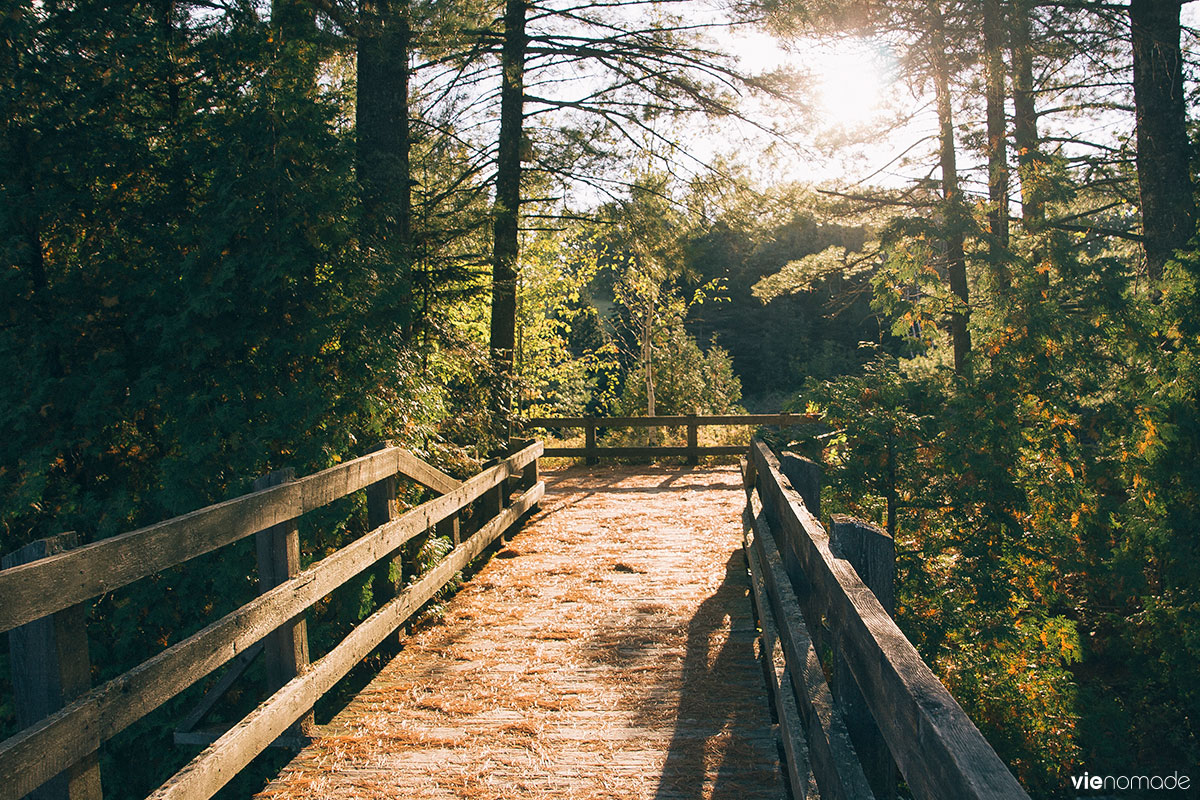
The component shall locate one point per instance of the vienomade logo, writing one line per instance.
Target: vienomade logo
(1124, 783)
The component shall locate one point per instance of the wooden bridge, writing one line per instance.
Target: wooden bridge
(690, 632)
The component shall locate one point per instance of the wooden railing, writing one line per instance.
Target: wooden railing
(817, 593)
(693, 422)
(42, 608)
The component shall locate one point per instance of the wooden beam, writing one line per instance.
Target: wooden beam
(938, 749)
(213, 768)
(782, 419)
(801, 781)
(277, 550)
(872, 554)
(637, 452)
(425, 474)
(835, 765)
(37, 753)
(50, 667)
(34, 590)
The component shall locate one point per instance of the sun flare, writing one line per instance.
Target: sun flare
(850, 85)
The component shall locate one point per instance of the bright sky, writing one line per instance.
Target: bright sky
(854, 93)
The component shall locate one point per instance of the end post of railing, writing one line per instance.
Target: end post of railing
(591, 457)
(693, 439)
(278, 554)
(50, 668)
(872, 553)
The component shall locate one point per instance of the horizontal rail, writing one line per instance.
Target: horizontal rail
(783, 419)
(34, 590)
(937, 748)
(636, 452)
(41, 751)
(216, 765)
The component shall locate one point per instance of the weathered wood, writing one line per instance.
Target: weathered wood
(278, 552)
(426, 474)
(214, 767)
(781, 420)
(805, 477)
(872, 554)
(693, 440)
(214, 695)
(589, 441)
(32, 591)
(937, 748)
(382, 507)
(595, 454)
(50, 667)
(801, 781)
(835, 765)
(37, 753)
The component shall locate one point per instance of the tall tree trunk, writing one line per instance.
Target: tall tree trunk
(382, 155)
(997, 138)
(996, 75)
(1025, 132)
(506, 240)
(955, 214)
(1163, 150)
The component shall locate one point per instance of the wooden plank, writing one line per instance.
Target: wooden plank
(214, 695)
(805, 476)
(835, 764)
(50, 667)
(34, 590)
(36, 754)
(383, 506)
(425, 474)
(207, 773)
(801, 781)
(589, 440)
(872, 554)
(638, 452)
(938, 749)
(278, 554)
(693, 440)
(782, 419)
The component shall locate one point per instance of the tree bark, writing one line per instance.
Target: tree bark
(997, 138)
(505, 214)
(382, 155)
(1163, 149)
(954, 213)
(1025, 132)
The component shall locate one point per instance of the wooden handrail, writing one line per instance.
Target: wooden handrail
(693, 422)
(937, 748)
(34, 590)
(36, 754)
(675, 421)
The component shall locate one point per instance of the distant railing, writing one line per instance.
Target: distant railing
(693, 422)
(44, 585)
(824, 603)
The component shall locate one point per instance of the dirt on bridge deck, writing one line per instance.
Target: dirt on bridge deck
(607, 652)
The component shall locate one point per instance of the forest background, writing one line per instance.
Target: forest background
(240, 235)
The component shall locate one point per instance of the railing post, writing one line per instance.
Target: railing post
(278, 552)
(589, 442)
(872, 553)
(805, 477)
(693, 439)
(50, 668)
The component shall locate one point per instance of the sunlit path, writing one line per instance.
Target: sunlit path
(609, 651)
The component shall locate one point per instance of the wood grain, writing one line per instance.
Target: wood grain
(37, 753)
(35, 590)
(938, 749)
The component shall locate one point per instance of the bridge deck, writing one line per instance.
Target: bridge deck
(607, 652)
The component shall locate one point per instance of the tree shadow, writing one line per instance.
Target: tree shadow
(716, 750)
